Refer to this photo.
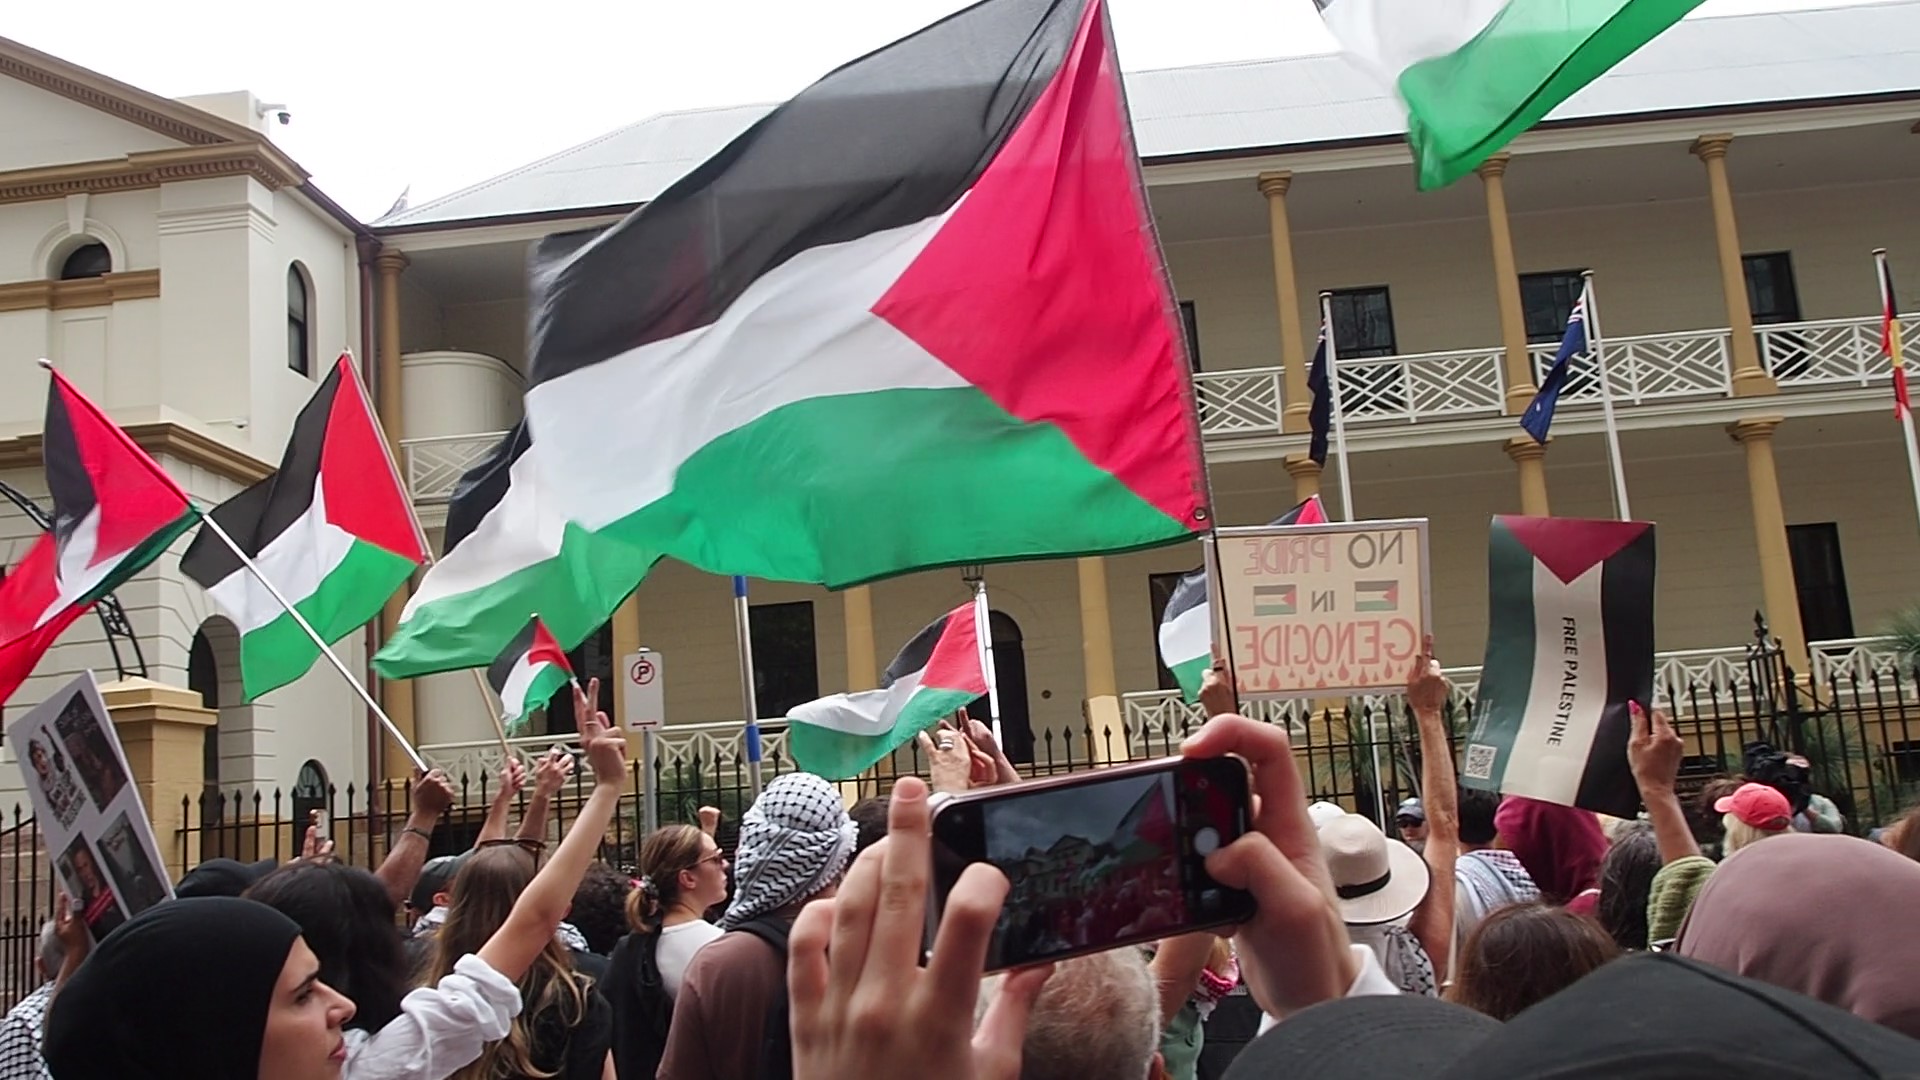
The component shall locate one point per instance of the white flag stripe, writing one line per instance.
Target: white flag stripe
(296, 561)
(524, 529)
(869, 713)
(1568, 694)
(1189, 635)
(1386, 37)
(514, 694)
(799, 322)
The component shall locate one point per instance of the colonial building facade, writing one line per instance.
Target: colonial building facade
(1725, 188)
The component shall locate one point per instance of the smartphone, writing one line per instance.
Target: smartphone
(1098, 859)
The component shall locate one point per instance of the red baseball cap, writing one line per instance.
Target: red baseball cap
(1758, 805)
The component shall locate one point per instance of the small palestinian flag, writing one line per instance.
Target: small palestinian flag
(937, 262)
(332, 529)
(1569, 644)
(1376, 596)
(1186, 626)
(114, 511)
(936, 674)
(528, 673)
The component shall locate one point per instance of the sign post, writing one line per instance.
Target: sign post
(1323, 610)
(644, 697)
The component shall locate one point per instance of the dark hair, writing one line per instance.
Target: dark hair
(1524, 954)
(1477, 809)
(1706, 823)
(600, 907)
(666, 852)
(484, 892)
(346, 916)
(1626, 882)
(870, 819)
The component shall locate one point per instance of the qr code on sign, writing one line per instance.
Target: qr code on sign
(1479, 762)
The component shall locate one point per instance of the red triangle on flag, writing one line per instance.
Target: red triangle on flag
(364, 495)
(1570, 547)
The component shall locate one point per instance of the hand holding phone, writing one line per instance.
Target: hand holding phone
(1100, 859)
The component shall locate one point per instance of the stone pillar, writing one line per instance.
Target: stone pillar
(1531, 459)
(1306, 476)
(1748, 377)
(163, 730)
(1506, 287)
(1096, 646)
(863, 666)
(1777, 588)
(1293, 355)
(396, 695)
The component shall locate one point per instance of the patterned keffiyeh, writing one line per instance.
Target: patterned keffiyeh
(794, 842)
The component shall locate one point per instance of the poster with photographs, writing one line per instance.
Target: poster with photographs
(97, 833)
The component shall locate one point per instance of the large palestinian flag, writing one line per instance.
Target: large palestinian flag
(1186, 626)
(1473, 74)
(916, 317)
(332, 529)
(935, 675)
(1569, 644)
(114, 511)
(529, 671)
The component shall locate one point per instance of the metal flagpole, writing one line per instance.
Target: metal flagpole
(1614, 459)
(307, 627)
(1339, 422)
(983, 636)
(1894, 357)
(743, 637)
(426, 549)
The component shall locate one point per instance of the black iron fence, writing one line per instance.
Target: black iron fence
(1858, 729)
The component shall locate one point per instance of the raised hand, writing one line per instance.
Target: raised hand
(1426, 688)
(513, 777)
(433, 792)
(1654, 750)
(1294, 952)
(863, 1005)
(949, 759)
(606, 748)
(552, 772)
(982, 738)
(1217, 691)
(709, 818)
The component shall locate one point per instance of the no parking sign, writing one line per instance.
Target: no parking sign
(643, 692)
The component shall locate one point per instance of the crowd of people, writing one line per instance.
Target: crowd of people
(1494, 936)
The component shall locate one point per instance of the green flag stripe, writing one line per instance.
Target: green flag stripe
(840, 755)
(1506, 679)
(280, 652)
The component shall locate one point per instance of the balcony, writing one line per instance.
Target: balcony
(1378, 392)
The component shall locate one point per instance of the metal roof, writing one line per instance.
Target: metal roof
(1260, 105)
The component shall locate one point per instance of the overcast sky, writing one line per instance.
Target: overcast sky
(438, 96)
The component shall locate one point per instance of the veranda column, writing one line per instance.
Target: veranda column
(1777, 589)
(863, 665)
(1293, 353)
(1529, 457)
(396, 695)
(1748, 377)
(1306, 476)
(163, 730)
(1096, 648)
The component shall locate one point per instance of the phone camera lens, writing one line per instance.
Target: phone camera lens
(1210, 899)
(1206, 841)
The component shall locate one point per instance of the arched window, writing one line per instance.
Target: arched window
(299, 331)
(89, 260)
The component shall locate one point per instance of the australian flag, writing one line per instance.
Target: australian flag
(1320, 409)
(1539, 415)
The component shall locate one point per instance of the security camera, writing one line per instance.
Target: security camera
(278, 111)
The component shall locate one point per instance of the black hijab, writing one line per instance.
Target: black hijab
(180, 991)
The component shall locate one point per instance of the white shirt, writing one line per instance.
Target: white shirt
(676, 949)
(440, 1028)
(1370, 981)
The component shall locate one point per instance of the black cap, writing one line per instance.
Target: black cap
(436, 876)
(1644, 1016)
(222, 877)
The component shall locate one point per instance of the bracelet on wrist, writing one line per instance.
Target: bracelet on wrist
(421, 833)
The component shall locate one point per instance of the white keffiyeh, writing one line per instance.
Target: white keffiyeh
(794, 842)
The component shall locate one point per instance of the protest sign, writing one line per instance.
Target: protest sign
(1569, 644)
(97, 833)
(1322, 610)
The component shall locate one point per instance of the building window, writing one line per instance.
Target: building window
(1546, 300)
(1821, 581)
(1771, 295)
(1160, 590)
(1190, 324)
(299, 330)
(89, 260)
(1363, 323)
(786, 667)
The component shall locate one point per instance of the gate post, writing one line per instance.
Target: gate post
(163, 731)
